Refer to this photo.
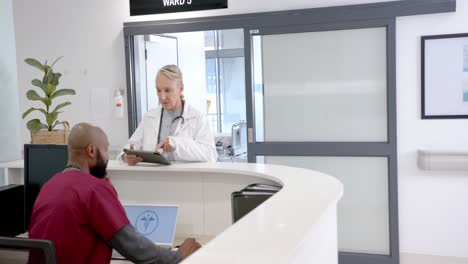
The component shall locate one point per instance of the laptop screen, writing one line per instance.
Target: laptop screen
(156, 222)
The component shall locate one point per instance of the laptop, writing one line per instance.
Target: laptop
(155, 222)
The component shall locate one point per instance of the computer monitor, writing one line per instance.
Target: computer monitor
(41, 162)
(239, 138)
(249, 198)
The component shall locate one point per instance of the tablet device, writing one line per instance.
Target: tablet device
(148, 156)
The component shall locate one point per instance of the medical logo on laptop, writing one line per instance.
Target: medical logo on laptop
(147, 222)
(155, 222)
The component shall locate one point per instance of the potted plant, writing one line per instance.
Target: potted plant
(44, 132)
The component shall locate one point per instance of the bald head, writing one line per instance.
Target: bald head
(83, 136)
(88, 149)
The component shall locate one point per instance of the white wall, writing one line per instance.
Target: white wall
(433, 205)
(89, 35)
(9, 108)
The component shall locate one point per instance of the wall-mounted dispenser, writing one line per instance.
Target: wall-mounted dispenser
(118, 104)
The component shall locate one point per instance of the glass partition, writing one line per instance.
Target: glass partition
(326, 86)
(363, 220)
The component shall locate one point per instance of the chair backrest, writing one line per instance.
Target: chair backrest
(24, 250)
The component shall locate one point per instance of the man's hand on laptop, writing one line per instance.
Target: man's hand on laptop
(188, 247)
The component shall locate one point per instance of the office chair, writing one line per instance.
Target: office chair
(20, 250)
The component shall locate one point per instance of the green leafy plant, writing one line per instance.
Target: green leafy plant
(48, 86)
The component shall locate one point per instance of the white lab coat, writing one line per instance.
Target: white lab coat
(192, 140)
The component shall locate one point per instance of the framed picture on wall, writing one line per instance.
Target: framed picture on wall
(444, 76)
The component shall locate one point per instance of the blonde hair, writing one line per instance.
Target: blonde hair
(172, 72)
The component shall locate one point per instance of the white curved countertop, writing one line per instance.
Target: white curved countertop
(296, 225)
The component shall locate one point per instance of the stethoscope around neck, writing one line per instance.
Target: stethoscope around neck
(173, 120)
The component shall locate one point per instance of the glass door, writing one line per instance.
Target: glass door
(322, 97)
(159, 51)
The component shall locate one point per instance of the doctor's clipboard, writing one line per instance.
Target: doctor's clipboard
(148, 156)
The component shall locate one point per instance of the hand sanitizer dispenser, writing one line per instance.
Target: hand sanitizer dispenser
(118, 105)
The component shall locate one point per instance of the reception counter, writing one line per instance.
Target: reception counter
(296, 225)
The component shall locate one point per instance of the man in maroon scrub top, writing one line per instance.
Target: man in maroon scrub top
(79, 211)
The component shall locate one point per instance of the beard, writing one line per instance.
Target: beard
(100, 169)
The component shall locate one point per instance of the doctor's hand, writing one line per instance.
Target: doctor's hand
(189, 246)
(165, 146)
(131, 159)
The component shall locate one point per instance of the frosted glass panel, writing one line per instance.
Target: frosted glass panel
(9, 123)
(363, 225)
(258, 87)
(322, 86)
(231, 39)
(232, 92)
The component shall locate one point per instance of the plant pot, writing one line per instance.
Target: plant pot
(51, 137)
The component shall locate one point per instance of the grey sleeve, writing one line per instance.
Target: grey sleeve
(139, 249)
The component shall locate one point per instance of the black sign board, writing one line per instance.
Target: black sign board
(146, 7)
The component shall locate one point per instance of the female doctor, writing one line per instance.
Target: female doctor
(176, 129)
